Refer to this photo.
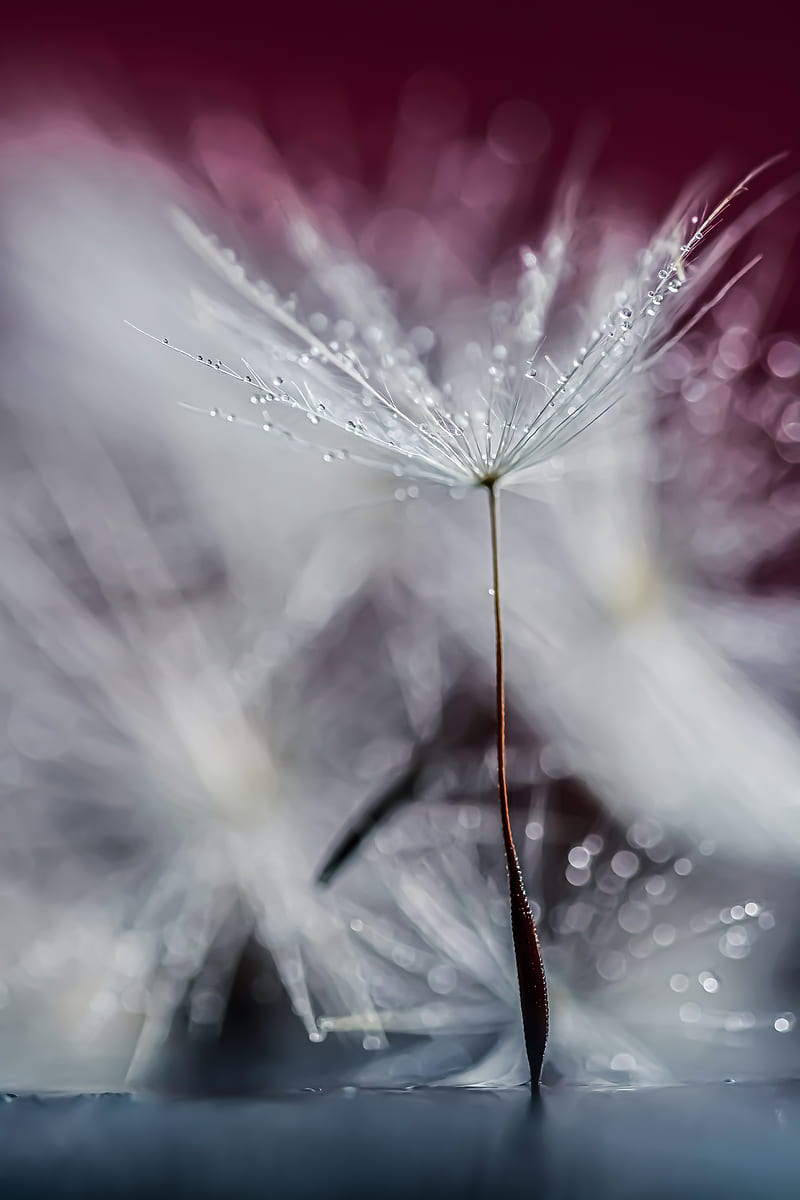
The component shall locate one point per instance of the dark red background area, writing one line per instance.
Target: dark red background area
(676, 84)
(663, 89)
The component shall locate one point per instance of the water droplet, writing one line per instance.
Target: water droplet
(625, 864)
(371, 1042)
(634, 917)
(734, 943)
(611, 966)
(708, 982)
(656, 885)
(442, 979)
(277, 381)
(577, 876)
(469, 817)
(579, 856)
(645, 833)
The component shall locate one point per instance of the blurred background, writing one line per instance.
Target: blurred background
(232, 669)
(668, 91)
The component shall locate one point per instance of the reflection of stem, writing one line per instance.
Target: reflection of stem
(530, 969)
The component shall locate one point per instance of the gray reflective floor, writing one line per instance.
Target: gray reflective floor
(734, 1140)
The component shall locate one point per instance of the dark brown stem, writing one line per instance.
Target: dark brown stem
(527, 952)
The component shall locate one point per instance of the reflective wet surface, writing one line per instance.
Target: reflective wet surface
(726, 1140)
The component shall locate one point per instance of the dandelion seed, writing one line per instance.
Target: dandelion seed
(377, 389)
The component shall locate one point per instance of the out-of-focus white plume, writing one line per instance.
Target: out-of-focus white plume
(175, 781)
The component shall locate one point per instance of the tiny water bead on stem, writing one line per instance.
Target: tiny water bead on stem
(492, 413)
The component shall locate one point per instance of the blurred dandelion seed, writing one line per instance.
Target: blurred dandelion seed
(520, 409)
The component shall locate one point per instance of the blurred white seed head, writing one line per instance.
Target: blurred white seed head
(169, 684)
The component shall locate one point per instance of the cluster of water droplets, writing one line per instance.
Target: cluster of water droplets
(729, 434)
(447, 405)
(641, 956)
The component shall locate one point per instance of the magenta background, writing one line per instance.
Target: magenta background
(676, 83)
(665, 89)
